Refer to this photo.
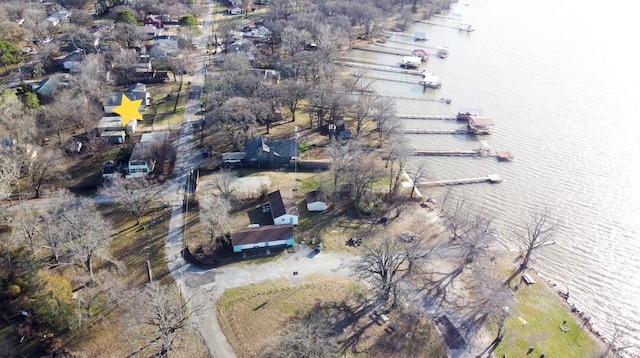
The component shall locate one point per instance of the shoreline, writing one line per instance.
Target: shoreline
(581, 316)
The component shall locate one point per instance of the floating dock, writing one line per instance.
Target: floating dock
(492, 179)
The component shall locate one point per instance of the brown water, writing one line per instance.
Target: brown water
(560, 81)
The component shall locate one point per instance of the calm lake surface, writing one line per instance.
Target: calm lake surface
(560, 80)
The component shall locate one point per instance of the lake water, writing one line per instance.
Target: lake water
(560, 80)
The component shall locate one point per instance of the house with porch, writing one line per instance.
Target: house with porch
(262, 237)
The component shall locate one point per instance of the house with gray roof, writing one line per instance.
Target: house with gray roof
(266, 151)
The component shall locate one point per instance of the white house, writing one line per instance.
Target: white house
(316, 201)
(263, 237)
(283, 213)
(142, 160)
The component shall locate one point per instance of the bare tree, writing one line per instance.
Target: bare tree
(132, 195)
(361, 173)
(42, 168)
(311, 336)
(382, 265)
(89, 233)
(495, 302)
(235, 120)
(26, 227)
(294, 94)
(341, 155)
(164, 319)
(387, 122)
(362, 112)
(215, 219)
(9, 173)
(51, 230)
(293, 40)
(105, 289)
(92, 77)
(537, 233)
(223, 182)
(418, 174)
(396, 163)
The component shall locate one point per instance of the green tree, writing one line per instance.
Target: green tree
(9, 54)
(189, 21)
(53, 305)
(28, 97)
(126, 17)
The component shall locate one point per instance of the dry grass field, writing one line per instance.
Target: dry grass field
(253, 316)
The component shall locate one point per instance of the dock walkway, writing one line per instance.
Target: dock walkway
(389, 78)
(448, 153)
(492, 179)
(379, 68)
(435, 131)
(427, 117)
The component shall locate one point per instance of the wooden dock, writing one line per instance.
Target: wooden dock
(389, 78)
(427, 116)
(436, 24)
(369, 61)
(418, 98)
(390, 44)
(380, 50)
(492, 179)
(379, 68)
(448, 153)
(428, 131)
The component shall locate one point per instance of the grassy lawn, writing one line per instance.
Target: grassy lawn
(133, 246)
(252, 317)
(166, 116)
(544, 313)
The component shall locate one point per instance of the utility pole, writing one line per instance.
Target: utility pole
(295, 163)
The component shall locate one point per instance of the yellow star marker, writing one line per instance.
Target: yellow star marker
(129, 110)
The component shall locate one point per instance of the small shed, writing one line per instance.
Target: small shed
(480, 124)
(263, 237)
(316, 201)
(113, 137)
(284, 212)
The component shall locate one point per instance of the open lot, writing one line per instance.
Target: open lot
(253, 316)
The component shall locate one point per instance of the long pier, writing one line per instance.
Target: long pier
(436, 24)
(493, 179)
(388, 78)
(379, 68)
(427, 117)
(408, 44)
(368, 61)
(429, 131)
(389, 52)
(448, 153)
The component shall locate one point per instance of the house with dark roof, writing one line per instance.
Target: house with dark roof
(283, 211)
(263, 237)
(266, 151)
(316, 201)
(46, 88)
